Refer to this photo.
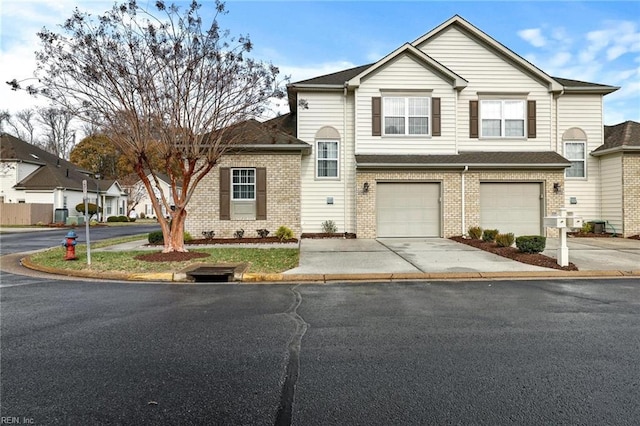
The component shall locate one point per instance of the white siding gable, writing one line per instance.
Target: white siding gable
(489, 72)
(405, 73)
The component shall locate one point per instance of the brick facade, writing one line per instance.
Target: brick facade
(283, 197)
(451, 190)
(631, 193)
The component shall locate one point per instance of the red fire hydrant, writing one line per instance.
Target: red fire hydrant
(70, 243)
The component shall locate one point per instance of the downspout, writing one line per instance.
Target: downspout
(344, 154)
(462, 196)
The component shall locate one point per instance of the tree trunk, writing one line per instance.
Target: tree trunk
(175, 242)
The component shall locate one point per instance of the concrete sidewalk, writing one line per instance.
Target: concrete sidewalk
(599, 254)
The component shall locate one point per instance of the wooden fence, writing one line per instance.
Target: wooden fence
(25, 213)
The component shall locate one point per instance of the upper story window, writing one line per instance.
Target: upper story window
(406, 115)
(502, 118)
(243, 184)
(327, 159)
(576, 152)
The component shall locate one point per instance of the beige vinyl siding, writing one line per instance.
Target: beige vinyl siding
(327, 109)
(405, 73)
(585, 112)
(611, 172)
(486, 71)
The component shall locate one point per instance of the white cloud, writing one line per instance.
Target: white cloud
(533, 36)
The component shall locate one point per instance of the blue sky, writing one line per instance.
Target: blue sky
(591, 41)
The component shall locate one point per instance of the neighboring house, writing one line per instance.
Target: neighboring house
(619, 158)
(450, 131)
(31, 175)
(139, 197)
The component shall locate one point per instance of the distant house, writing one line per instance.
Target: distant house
(139, 200)
(620, 182)
(31, 175)
(449, 131)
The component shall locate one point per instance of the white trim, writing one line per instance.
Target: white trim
(502, 118)
(336, 159)
(407, 116)
(244, 183)
(584, 159)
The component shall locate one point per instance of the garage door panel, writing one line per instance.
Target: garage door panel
(408, 209)
(511, 207)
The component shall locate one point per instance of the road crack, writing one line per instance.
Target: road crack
(287, 395)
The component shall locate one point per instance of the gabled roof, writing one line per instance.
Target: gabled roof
(54, 172)
(337, 80)
(456, 81)
(486, 160)
(620, 137)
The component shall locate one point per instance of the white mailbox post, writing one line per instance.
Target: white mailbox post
(562, 222)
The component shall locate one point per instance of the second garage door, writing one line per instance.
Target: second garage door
(511, 207)
(408, 209)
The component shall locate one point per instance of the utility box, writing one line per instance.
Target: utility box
(555, 222)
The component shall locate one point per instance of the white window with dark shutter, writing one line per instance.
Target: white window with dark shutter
(502, 118)
(406, 115)
(243, 193)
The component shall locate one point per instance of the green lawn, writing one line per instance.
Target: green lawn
(271, 260)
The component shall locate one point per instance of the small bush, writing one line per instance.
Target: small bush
(262, 233)
(123, 218)
(489, 235)
(587, 228)
(143, 216)
(531, 243)
(208, 234)
(156, 237)
(284, 233)
(475, 232)
(132, 219)
(239, 233)
(112, 219)
(329, 227)
(505, 240)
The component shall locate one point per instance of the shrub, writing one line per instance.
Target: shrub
(505, 240)
(208, 234)
(587, 228)
(156, 237)
(132, 219)
(531, 243)
(489, 235)
(143, 216)
(239, 233)
(329, 227)
(262, 233)
(91, 207)
(475, 232)
(117, 219)
(284, 233)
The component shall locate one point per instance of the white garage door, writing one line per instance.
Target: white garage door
(511, 207)
(408, 209)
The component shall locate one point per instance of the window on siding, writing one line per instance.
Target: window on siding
(406, 116)
(327, 159)
(64, 201)
(576, 153)
(243, 184)
(503, 118)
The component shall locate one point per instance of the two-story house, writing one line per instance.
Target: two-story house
(450, 131)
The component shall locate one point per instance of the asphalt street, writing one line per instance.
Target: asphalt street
(11, 242)
(503, 352)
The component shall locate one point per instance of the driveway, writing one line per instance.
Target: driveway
(415, 255)
(398, 255)
(600, 254)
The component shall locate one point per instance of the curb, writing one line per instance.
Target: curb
(278, 278)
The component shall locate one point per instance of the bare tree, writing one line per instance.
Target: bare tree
(169, 82)
(25, 119)
(59, 137)
(5, 118)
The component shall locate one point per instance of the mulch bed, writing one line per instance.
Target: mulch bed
(635, 237)
(257, 240)
(318, 235)
(590, 235)
(513, 253)
(175, 256)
